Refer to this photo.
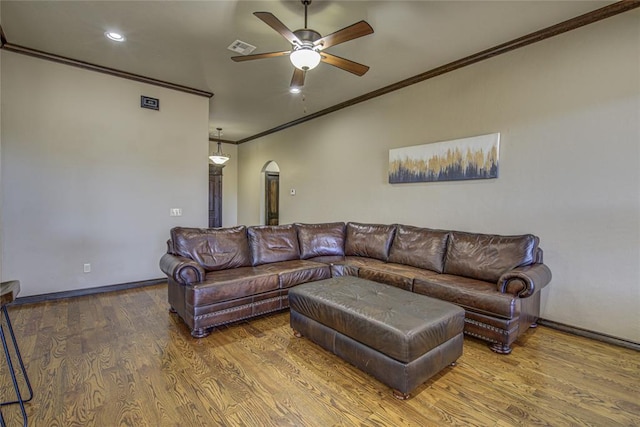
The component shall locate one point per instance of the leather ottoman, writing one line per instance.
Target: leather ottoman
(399, 337)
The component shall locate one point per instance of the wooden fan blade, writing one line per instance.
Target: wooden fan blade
(276, 24)
(260, 56)
(298, 78)
(344, 64)
(351, 32)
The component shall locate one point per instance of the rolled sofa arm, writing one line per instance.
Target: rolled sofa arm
(534, 277)
(183, 270)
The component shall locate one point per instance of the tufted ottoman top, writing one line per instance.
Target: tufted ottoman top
(401, 324)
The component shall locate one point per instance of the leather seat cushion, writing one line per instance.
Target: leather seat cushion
(400, 324)
(350, 265)
(477, 295)
(291, 273)
(398, 275)
(357, 261)
(327, 259)
(230, 284)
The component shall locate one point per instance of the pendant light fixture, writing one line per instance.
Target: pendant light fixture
(219, 157)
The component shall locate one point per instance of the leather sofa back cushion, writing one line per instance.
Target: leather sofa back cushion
(321, 239)
(273, 243)
(486, 257)
(419, 247)
(369, 240)
(213, 248)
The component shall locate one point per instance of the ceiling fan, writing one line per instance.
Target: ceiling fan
(307, 47)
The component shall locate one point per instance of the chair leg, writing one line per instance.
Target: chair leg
(19, 355)
(12, 371)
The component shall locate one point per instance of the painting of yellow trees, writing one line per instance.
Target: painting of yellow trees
(455, 160)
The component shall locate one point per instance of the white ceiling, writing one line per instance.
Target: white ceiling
(185, 42)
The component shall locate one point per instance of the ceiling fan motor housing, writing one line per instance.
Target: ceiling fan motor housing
(307, 35)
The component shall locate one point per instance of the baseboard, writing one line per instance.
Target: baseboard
(590, 334)
(33, 299)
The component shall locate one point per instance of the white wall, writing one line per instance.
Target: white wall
(89, 177)
(568, 110)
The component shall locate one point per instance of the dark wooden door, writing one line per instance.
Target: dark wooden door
(215, 196)
(272, 195)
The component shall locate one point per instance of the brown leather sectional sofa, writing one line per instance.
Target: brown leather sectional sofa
(218, 276)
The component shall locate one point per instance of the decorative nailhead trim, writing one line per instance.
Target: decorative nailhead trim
(233, 309)
(482, 337)
(489, 327)
(485, 326)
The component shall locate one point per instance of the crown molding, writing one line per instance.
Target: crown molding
(9, 47)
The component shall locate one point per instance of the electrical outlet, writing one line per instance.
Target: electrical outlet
(175, 212)
(87, 268)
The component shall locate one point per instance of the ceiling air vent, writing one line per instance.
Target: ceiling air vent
(241, 47)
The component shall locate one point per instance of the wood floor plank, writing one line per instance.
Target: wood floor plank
(121, 359)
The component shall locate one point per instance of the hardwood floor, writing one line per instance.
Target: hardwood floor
(121, 359)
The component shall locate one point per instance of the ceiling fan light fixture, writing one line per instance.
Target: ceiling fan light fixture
(305, 58)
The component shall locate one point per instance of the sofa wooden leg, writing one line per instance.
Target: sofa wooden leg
(400, 395)
(297, 334)
(200, 333)
(500, 348)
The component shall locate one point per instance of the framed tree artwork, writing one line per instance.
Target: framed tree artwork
(460, 159)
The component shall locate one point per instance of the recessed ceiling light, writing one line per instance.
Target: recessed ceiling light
(295, 89)
(116, 37)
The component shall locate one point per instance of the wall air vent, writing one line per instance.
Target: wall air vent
(241, 47)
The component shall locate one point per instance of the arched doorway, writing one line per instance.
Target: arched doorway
(270, 200)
